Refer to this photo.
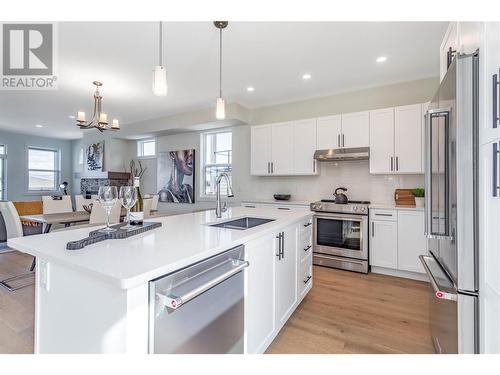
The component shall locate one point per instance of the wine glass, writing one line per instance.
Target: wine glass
(128, 198)
(108, 196)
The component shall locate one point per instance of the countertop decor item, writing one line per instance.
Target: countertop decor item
(404, 197)
(340, 198)
(419, 195)
(99, 119)
(282, 197)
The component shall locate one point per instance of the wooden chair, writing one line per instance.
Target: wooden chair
(98, 213)
(154, 203)
(14, 229)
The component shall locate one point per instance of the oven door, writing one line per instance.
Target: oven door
(341, 234)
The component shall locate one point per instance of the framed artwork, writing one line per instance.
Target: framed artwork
(176, 176)
(94, 157)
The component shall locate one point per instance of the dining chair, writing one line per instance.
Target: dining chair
(14, 229)
(98, 213)
(154, 203)
(81, 201)
(56, 206)
(146, 206)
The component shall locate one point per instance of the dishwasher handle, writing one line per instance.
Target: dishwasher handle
(223, 271)
(437, 291)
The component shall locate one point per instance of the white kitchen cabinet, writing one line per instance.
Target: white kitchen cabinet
(382, 141)
(355, 129)
(384, 243)
(259, 301)
(286, 275)
(260, 145)
(282, 148)
(411, 240)
(328, 132)
(304, 146)
(408, 130)
(396, 140)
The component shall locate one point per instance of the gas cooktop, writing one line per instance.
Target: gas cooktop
(351, 207)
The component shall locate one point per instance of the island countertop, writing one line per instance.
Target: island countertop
(182, 240)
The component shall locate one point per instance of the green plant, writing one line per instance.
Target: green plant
(418, 193)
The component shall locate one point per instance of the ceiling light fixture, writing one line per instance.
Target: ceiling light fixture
(99, 119)
(381, 59)
(220, 111)
(38, 126)
(250, 89)
(160, 87)
(306, 76)
(71, 117)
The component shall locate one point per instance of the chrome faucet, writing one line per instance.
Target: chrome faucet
(218, 208)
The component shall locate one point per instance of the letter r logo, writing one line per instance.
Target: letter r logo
(27, 49)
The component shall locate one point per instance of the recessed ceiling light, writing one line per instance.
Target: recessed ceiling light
(71, 116)
(306, 76)
(38, 126)
(381, 59)
(250, 89)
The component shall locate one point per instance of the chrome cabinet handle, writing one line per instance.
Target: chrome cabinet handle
(343, 140)
(272, 167)
(307, 247)
(279, 246)
(390, 215)
(495, 102)
(268, 167)
(449, 57)
(228, 268)
(373, 229)
(392, 163)
(397, 163)
(338, 140)
(496, 154)
(314, 166)
(306, 280)
(282, 245)
(306, 225)
(283, 208)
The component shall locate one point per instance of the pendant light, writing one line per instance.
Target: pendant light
(160, 87)
(220, 111)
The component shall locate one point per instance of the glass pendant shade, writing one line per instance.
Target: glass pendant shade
(220, 112)
(160, 81)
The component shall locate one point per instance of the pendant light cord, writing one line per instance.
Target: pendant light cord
(161, 43)
(220, 63)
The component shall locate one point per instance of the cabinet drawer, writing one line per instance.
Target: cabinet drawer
(305, 243)
(378, 214)
(305, 274)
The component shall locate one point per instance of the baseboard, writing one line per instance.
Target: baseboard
(398, 273)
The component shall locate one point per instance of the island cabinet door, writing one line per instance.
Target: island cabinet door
(286, 274)
(259, 298)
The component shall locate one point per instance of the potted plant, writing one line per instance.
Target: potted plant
(419, 195)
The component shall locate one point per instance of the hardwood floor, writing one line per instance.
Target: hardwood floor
(16, 308)
(347, 312)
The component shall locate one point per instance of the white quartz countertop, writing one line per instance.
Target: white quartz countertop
(182, 240)
(392, 206)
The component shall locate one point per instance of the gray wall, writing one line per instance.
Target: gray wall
(17, 162)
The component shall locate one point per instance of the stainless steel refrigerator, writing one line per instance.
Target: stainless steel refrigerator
(451, 205)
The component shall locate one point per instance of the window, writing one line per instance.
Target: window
(43, 169)
(146, 148)
(217, 153)
(3, 173)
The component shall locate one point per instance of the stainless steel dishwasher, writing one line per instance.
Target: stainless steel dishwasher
(199, 309)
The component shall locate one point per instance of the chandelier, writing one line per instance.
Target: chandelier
(99, 119)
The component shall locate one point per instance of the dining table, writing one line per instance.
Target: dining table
(66, 218)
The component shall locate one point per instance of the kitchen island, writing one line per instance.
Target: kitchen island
(97, 299)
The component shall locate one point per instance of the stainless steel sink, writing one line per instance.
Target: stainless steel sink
(242, 223)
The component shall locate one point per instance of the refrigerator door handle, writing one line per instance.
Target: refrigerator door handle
(437, 292)
(427, 175)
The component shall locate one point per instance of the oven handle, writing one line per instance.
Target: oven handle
(343, 217)
(350, 260)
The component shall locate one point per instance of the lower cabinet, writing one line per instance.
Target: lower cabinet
(278, 278)
(397, 239)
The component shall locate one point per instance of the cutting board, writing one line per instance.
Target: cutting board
(404, 197)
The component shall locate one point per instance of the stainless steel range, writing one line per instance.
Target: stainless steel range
(341, 235)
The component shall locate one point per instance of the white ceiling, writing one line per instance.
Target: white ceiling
(270, 56)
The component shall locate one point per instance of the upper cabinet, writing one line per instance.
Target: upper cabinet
(283, 149)
(396, 136)
(329, 132)
(355, 129)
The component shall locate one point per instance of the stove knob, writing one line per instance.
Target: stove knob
(319, 206)
(363, 209)
(355, 208)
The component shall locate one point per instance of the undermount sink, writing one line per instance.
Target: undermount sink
(242, 223)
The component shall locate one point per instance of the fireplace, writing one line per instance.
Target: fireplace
(89, 184)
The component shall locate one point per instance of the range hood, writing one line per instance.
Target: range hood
(343, 154)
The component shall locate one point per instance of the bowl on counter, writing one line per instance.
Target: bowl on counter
(282, 197)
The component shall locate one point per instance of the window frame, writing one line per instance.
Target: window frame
(140, 148)
(3, 177)
(57, 171)
(204, 165)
